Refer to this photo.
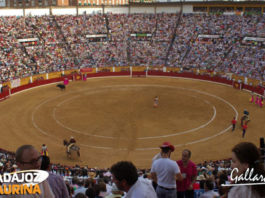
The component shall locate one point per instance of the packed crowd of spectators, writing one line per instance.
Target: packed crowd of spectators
(193, 52)
(95, 181)
(205, 178)
(174, 40)
(7, 161)
(247, 61)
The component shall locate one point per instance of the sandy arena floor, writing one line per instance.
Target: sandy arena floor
(113, 119)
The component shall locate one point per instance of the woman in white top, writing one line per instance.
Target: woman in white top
(245, 159)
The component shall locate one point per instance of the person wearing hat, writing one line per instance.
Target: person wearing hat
(165, 172)
(71, 143)
(158, 156)
(72, 140)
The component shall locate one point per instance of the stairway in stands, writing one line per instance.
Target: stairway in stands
(174, 36)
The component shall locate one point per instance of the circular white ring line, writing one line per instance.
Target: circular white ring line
(155, 86)
(140, 149)
(74, 130)
(141, 138)
(54, 137)
(42, 103)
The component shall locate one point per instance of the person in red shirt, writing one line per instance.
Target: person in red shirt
(234, 123)
(245, 126)
(189, 173)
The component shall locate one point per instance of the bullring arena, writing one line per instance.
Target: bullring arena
(113, 118)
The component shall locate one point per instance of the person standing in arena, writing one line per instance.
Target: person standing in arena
(245, 126)
(257, 100)
(261, 102)
(156, 102)
(189, 173)
(234, 123)
(251, 100)
(165, 172)
(44, 150)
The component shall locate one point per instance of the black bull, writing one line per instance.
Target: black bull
(61, 86)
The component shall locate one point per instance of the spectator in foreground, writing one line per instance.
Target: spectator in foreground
(126, 179)
(56, 182)
(81, 188)
(80, 195)
(246, 157)
(164, 172)
(189, 173)
(28, 158)
(208, 188)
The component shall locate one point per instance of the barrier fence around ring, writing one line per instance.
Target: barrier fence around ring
(9, 88)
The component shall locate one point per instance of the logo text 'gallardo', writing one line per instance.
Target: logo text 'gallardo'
(246, 177)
